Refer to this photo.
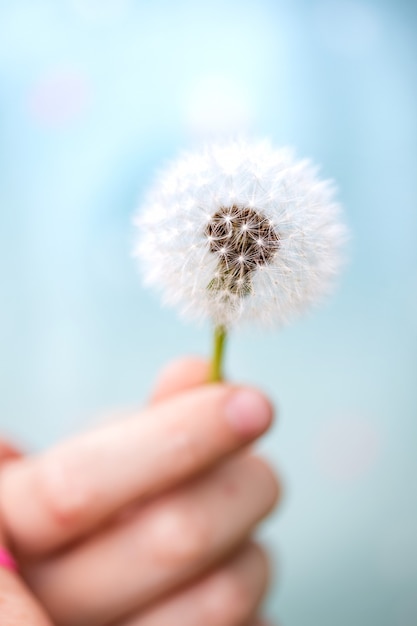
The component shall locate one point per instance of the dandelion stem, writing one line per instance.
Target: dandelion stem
(216, 371)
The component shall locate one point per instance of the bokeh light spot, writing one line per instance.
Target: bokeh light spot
(59, 97)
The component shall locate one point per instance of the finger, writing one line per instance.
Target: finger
(166, 544)
(17, 606)
(8, 451)
(49, 500)
(227, 597)
(179, 376)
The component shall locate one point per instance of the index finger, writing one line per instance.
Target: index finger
(180, 375)
(54, 498)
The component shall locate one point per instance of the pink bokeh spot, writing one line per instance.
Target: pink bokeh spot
(59, 98)
(347, 447)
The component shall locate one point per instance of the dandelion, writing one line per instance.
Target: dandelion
(240, 233)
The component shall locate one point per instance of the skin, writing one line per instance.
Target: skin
(145, 521)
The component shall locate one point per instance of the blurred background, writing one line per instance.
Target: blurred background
(97, 94)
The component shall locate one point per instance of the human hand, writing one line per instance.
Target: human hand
(146, 521)
(17, 604)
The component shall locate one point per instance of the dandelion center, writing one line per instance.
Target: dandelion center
(251, 243)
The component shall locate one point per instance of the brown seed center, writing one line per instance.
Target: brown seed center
(243, 240)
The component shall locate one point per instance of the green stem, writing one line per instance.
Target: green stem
(216, 371)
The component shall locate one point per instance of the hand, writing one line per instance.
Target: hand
(146, 522)
(17, 605)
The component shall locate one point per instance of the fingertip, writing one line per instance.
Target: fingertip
(179, 375)
(186, 364)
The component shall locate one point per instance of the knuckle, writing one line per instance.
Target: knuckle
(186, 451)
(182, 536)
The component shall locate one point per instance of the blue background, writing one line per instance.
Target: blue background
(94, 95)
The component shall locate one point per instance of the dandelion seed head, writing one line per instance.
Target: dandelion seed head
(240, 233)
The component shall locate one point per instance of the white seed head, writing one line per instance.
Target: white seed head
(240, 233)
